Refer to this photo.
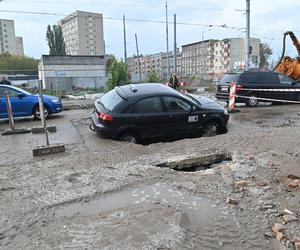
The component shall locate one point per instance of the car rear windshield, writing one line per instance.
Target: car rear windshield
(228, 78)
(111, 99)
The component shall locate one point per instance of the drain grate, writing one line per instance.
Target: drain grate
(195, 163)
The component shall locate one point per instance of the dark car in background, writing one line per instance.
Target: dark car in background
(26, 104)
(258, 84)
(151, 110)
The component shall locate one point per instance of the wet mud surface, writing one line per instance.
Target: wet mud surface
(103, 194)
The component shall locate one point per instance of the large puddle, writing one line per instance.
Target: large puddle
(201, 211)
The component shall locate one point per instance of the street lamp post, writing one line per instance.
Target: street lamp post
(203, 53)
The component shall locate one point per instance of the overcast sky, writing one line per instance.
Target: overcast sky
(269, 20)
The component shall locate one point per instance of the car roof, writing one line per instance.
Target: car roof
(144, 89)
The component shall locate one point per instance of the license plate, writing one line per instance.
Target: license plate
(224, 89)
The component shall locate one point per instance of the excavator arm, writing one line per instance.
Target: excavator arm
(287, 65)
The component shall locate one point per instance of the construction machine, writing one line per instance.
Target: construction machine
(287, 65)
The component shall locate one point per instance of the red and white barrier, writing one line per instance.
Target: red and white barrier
(232, 95)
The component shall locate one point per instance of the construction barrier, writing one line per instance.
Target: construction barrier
(232, 95)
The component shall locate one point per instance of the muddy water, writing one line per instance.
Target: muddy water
(201, 211)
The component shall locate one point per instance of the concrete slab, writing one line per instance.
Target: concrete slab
(16, 131)
(51, 149)
(40, 129)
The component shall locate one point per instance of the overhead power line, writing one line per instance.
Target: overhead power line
(122, 4)
(144, 21)
(121, 19)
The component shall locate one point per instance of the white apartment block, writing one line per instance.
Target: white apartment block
(229, 55)
(7, 37)
(211, 59)
(83, 33)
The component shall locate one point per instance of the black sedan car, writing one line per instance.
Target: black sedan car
(133, 113)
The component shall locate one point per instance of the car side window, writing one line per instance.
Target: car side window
(148, 105)
(268, 78)
(284, 80)
(176, 104)
(250, 78)
(2, 91)
(11, 92)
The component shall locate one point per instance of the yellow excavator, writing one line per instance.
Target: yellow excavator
(287, 65)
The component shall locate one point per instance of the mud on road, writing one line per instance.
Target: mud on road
(104, 194)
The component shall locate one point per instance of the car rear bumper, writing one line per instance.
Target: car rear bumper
(102, 130)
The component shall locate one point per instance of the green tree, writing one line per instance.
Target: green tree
(55, 41)
(118, 74)
(11, 64)
(264, 53)
(153, 77)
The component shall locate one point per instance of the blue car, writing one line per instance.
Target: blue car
(26, 104)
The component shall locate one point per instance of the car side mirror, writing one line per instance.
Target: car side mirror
(21, 95)
(295, 82)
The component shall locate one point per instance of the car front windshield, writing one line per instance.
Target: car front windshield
(192, 99)
(20, 90)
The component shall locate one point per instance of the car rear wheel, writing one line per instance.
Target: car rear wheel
(129, 137)
(37, 114)
(211, 129)
(252, 101)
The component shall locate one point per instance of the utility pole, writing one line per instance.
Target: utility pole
(138, 56)
(167, 37)
(247, 35)
(125, 48)
(175, 46)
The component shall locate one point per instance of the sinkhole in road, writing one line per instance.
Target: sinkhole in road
(196, 163)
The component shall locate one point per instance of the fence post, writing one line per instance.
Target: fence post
(9, 111)
(42, 114)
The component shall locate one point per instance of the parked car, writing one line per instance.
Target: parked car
(258, 84)
(136, 112)
(25, 104)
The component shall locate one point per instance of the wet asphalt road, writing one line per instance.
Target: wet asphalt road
(42, 197)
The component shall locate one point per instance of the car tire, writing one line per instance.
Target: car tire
(36, 112)
(129, 137)
(211, 128)
(252, 100)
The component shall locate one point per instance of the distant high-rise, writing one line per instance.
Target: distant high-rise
(83, 33)
(7, 37)
(19, 46)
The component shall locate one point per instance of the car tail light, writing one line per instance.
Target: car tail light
(239, 87)
(105, 117)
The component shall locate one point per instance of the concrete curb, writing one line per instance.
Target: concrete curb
(51, 149)
(16, 131)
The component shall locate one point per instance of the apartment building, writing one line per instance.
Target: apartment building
(8, 41)
(153, 63)
(197, 58)
(210, 59)
(229, 55)
(83, 33)
(19, 46)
